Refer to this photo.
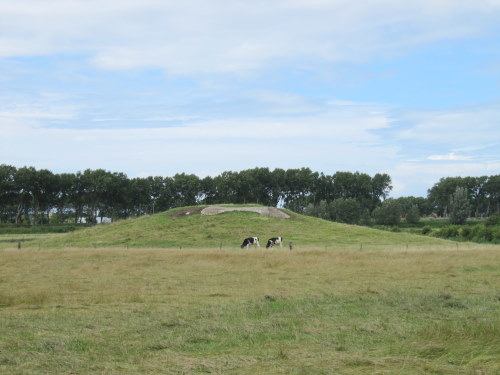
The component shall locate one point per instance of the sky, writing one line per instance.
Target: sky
(158, 87)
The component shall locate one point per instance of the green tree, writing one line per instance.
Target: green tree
(156, 187)
(298, 185)
(23, 182)
(76, 197)
(492, 192)
(227, 185)
(412, 215)
(439, 194)
(320, 210)
(255, 186)
(345, 210)
(8, 192)
(423, 204)
(277, 183)
(208, 190)
(459, 206)
(64, 185)
(95, 184)
(361, 187)
(476, 193)
(388, 213)
(39, 188)
(324, 188)
(115, 196)
(262, 189)
(344, 185)
(138, 196)
(186, 189)
(381, 187)
(165, 192)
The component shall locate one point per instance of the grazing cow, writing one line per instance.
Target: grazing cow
(274, 241)
(250, 241)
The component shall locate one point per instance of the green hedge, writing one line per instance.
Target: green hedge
(478, 233)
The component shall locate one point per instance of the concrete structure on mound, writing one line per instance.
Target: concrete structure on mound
(265, 211)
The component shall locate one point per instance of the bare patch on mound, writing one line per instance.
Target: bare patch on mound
(185, 212)
(265, 211)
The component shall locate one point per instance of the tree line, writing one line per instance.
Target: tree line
(483, 194)
(32, 196)
(456, 198)
(28, 195)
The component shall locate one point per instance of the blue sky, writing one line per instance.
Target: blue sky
(155, 87)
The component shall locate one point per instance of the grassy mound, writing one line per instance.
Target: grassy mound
(187, 227)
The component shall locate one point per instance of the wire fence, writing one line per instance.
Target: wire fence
(36, 242)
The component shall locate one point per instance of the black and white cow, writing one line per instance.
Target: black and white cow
(274, 241)
(250, 241)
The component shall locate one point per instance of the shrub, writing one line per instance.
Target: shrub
(447, 232)
(453, 231)
(496, 235)
(481, 233)
(488, 234)
(426, 230)
(466, 233)
(492, 220)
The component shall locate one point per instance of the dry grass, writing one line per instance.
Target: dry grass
(78, 275)
(390, 311)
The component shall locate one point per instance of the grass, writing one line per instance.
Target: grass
(177, 229)
(197, 311)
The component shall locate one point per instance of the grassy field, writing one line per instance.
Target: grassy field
(197, 311)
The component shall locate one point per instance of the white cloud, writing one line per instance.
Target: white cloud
(341, 128)
(194, 36)
(339, 138)
(450, 156)
(468, 140)
(454, 130)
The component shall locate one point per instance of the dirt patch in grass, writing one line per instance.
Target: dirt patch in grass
(265, 211)
(188, 211)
